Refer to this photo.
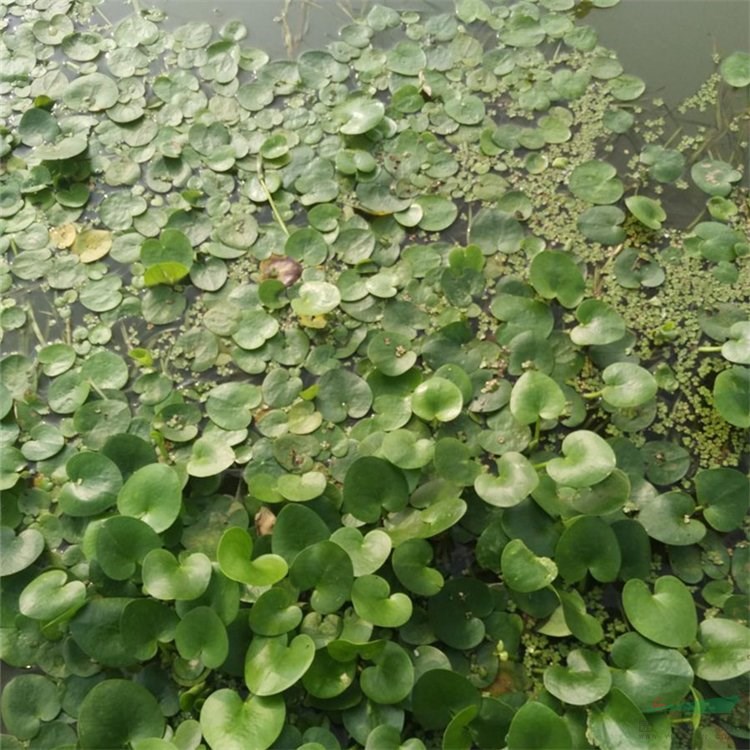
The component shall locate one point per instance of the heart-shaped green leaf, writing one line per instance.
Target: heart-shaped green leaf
(588, 460)
(373, 601)
(144, 623)
(372, 484)
(229, 723)
(115, 713)
(391, 678)
(328, 677)
(439, 694)
(300, 488)
(523, 571)
(732, 395)
(555, 275)
(737, 347)
(726, 650)
(651, 676)
(599, 324)
(536, 396)
(153, 494)
(94, 481)
(516, 479)
(585, 679)
(27, 701)
(121, 545)
(18, 552)
(233, 555)
(411, 565)
(714, 176)
(724, 495)
(584, 626)
(596, 181)
(327, 569)
(297, 527)
(667, 616)
(667, 518)
(209, 457)
(618, 724)
(275, 612)
(627, 385)
(165, 577)
(201, 635)
(537, 727)
(368, 552)
(437, 398)
(50, 595)
(647, 210)
(588, 545)
(272, 666)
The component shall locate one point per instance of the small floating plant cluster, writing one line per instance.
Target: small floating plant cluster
(369, 398)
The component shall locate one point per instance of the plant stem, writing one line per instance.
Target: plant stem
(706, 349)
(271, 202)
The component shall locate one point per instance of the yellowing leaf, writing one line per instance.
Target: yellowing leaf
(92, 245)
(63, 236)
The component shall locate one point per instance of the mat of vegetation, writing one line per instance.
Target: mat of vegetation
(392, 396)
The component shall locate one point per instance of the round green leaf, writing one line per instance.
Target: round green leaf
(737, 347)
(603, 224)
(618, 724)
(27, 701)
(523, 571)
(596, 181)
(496, 231)
(437, 398)
(735, 69)
(201, 635)
(516, 479)
(18, 552)
(411, 565)
(372, 484)
(724, 495)
(233, 555)
(667, 518)
(391, 678)
(627, 385)
(115, 713)
(342, 394)
(122, 543)
(588, 460)
(537, 727)
(667, 616)
(651, 676)
(229, 723)
(230, 405)
(585, 679)
(327, 569)
(165, 577)
(732, 395)
(301, 487)
(466, 110)
(600, 324)
(536, 396)
(94, 481)
(209, 457)
(272, 666)
(275, 613)
(144, 623)
(439, 694)
(726, 650)
(555, 275)
(588, 545)
(391, 353)
(373, 601)
(91, 93)
(152, 494)
(647, 210)
(358, 114)
(297, 527)
(714, 177)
